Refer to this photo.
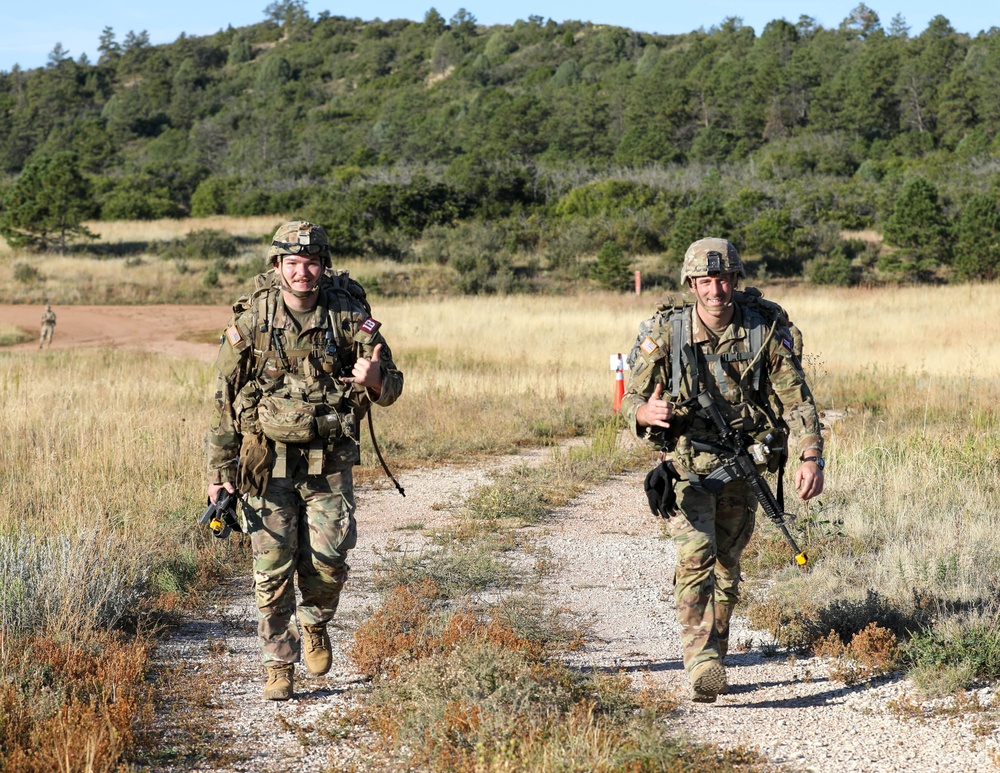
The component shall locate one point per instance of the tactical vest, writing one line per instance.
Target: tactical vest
(294, 396)
(760, 315)
(750, 406)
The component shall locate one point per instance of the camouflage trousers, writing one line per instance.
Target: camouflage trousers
(710, 532)
(48, 331)
(300, 529)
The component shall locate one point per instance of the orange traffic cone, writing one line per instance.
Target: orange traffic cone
(619, 384)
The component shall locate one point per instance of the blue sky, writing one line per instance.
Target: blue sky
(31, 30)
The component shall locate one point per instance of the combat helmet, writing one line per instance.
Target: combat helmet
(300, 237)
(711, 257)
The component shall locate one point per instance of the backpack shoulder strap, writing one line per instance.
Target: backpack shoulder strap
(341, 282)
(682, 355)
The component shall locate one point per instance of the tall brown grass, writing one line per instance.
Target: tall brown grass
(919, 330)
(100, 457)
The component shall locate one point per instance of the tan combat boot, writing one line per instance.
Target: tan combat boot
(708, 679)
(279, 682)
(316, 649)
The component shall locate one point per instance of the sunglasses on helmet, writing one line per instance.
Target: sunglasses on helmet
(294, 248)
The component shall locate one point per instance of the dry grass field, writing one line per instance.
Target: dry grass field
(101, 464)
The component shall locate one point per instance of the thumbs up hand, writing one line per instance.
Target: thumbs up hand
(656, 411)
(368, 373)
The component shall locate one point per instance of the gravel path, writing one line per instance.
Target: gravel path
(616, 573)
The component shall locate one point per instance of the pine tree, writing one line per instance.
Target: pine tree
(47, 204)
(977, 249)
(613, 270)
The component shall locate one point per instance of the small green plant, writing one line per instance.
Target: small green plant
(26, 273)
(211, 277)
(11, 335)
(955, 653)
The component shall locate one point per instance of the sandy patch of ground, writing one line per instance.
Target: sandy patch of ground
(155, 328)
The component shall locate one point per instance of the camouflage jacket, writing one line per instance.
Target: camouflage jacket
(756, 394)
(253, 363)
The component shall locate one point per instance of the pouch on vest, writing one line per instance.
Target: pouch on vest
(287, 419)
(329, 426)
(254, 470)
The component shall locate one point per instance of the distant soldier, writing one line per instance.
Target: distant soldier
(299, 368)
(737, 351)
(48, 326)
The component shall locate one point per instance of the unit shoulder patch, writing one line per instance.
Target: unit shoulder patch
(370, 325)
(649, 346)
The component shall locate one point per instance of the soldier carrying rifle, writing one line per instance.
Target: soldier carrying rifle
(730, 357)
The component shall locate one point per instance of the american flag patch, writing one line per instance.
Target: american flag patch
(233, 334)
(370, 325)
(648, 345)
(787, 343)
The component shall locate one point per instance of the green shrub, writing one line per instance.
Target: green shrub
(970, 649)
(918, 223)
(209, 243)
(977, 249)
(211, 277)
(835, 269)
(26, 273)
(613, 270)
(607, 198)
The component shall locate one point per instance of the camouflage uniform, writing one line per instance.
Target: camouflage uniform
(48, 326)
(711, 530)
(302, 523)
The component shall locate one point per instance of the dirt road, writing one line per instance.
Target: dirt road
(160, 329)
(615, 570)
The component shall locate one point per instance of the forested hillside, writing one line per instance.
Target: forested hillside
(537, 143)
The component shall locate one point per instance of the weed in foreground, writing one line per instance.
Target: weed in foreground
(73, 705)
(460, 687)
(954, 655)
(871, 653)
(455, 569)
(412, 624)
(485, 707)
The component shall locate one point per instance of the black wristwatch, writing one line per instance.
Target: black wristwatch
(818, 459)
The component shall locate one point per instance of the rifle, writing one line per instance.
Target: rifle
(738, 463)
(220, 517)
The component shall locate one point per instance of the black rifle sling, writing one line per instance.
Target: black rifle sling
(378, 453)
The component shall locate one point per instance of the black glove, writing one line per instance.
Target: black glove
(659, 488)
